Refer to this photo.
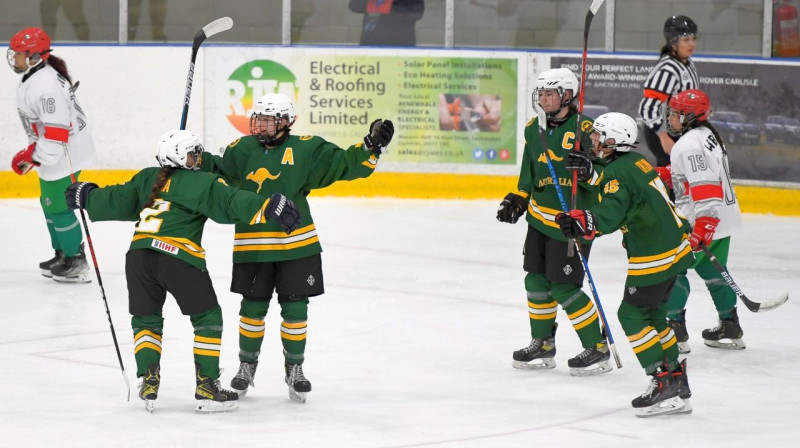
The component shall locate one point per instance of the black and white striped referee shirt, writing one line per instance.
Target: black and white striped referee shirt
(669, 77)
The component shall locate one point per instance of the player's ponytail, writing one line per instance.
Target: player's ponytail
(161, 180)
(60, 66)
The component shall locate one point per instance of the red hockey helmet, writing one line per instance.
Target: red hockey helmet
(34, 43)
(691, 105)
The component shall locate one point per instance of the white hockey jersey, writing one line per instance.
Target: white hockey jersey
(52, 117)
(702, 183)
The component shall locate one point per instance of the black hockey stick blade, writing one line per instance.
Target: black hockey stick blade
(756, 307)
(215, 27)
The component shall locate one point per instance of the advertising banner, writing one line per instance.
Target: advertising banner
(755, 107)
(446, 110)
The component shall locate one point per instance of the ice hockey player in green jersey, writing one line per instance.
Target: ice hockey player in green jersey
(656, 238)
(552, 278)
(171, 205)
(265, 259)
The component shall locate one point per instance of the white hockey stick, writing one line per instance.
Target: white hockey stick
(215, 27)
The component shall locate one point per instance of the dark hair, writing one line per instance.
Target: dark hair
(716, 134)
(161, 180)
(60, 66)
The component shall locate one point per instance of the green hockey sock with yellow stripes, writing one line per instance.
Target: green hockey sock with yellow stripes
(251, 328)
(652, 340)
(541, 306)
(207, 341)
(147, 331)
(293, 330)
(581, 312)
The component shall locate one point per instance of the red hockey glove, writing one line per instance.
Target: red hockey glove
(703, 232)
(665, 173)
(23, 160)
(577, 223)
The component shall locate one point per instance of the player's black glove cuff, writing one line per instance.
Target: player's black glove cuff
(579, 162)
(379, 136)
(284, 212)
(77, 194)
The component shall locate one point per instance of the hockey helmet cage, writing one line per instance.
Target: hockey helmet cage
(693, 106)
(561, 79)
(175, 146)
(277, 105)
(618, 126)
(34, 42)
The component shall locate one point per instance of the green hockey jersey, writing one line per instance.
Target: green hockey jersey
(654, 233)
(536, 183)
(174, 223)
(294, 168)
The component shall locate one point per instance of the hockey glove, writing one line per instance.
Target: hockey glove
(577, 223)
(77, 194)
(665, 173)
(512, 207)
(380, 135)
(23, 160)
(579, 162)
(284, 212)
(703, 232)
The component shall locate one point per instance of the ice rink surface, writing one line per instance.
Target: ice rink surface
(409, 347)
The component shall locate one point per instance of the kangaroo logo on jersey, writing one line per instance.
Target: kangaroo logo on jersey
(552, 155)
(260, 175)
(251, 81)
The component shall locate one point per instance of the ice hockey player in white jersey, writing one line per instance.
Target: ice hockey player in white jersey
(704, 194)
(54, 123)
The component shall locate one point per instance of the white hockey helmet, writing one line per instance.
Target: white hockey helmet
(561, 79)
(275, 105)
(175, 146)
(618, 126)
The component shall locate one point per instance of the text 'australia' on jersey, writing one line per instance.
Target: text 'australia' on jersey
(174, 223)
(535, 178)
(294, 168)
(655, 233)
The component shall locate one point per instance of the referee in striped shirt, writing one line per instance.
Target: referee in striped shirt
(674, 73)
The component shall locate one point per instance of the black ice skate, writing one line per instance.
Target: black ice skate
(299, 386)
(47, 267)
(211, 397)
(728, 334)
(679, 327)
(74, 269)
(661, 397)
(148, 388)
(540, 354)
(684, 392)
(243, 379)
(591, 361)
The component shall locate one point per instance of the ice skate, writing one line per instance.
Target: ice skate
(661, 397)
(211, 397)
(46, 267)
(679, 327)
(683, 387)
(591, 361)
(74, 269)
(243, 379)
(728, 334)
(299, 386)
(539, 354)
(148, 388)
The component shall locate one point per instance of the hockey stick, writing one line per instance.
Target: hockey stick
(97, 272)
(755, 307)
(542, 119)
(215, 27)
(596, 4)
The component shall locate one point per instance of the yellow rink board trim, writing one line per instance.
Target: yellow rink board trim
(753, 199)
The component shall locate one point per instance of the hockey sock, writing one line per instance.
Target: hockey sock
(293, 329)
(678, 297)
(639, 324)
(541, 306)
(207, 341)
(51, 229)
(147, 331)
(68, 232)
(251, 328)
(724, 297)
(581, 311)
